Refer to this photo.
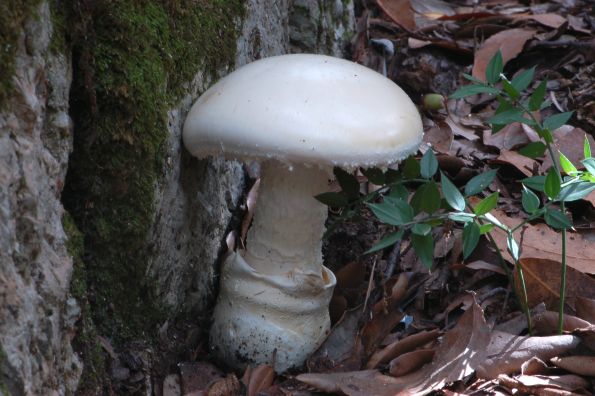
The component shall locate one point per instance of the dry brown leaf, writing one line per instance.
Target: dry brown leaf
(541, 241)
(410, 361)
(510, 137)
(509, 42)
(259, 379)
(351, 275)
(482, 265)
(506, 352)
(228, 386)
(376, 329)
(460, 130)
(196, 376)
(440, 137)
(462, 349)
(546, 323)
(534, 366)
(399, 11)
(550, 20)
(585, 308)
(524, 164)
(399, 347)
(542, 280)
(581, 365)
(541, 385)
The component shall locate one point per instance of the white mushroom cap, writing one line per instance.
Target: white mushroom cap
(302, 108)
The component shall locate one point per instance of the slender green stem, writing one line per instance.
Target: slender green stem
(562, 279)
(525, 302)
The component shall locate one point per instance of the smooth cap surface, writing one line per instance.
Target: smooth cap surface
(303, 108)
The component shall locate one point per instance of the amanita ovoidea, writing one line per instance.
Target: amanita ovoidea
(301, 115)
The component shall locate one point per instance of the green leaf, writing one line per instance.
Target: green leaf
(387, 241)
(537, 183)
(426, 198)
(471, 235)
(546, 135)
(494, 68)
(533, 150)
(557, 120)
(393, 175)
(522, 80)
(423, 245)
(473, 79)
(333, 199)
(374, 175)
(589, 163)
(556, 219)
(461, 217)
(452, 194)
(510, 116)
(428, 164)
(399, 191)
(492, 219)
(478, 183)
(486, 204)
(513, 248)
(469, 90)
(537, 97)
(530, 201)
(411, 168)
(510, 89)
(393, 212)
(421, 229)
(575, 191)
(552, 184)
(567, 166)
(485, 228)
(348, 182)
(587, 148)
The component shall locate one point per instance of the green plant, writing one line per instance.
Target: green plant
(435, 203)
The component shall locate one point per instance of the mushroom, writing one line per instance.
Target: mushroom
(301, 115)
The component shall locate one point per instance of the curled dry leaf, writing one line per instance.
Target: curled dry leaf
(461, 350)
(542, 280)
(410, 361)
(399, 347)
(534, 366)
(507, 353)
(508, 138)
(228, 386)
(510, 42)
(581, 365)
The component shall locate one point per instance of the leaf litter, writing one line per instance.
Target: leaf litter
(399, 329)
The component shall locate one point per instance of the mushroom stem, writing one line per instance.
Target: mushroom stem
(288, 222)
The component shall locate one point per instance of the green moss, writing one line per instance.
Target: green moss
(86, 343)
(131, 59)
(13, 13)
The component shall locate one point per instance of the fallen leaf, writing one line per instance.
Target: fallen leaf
(509, 42)
(482, 265)
(585, 308)
(399, 347)
(524, 164)
(510, 137)
(440, 137)
(581, 365)
(541, 241)
(259, 379)
(540, 385)
(542, 281)
(549, 20)
(196, 376)
(377, 328)
(228, 386)
(400, 12)
(410, 362)
(546, 323)
(459, 129)
(461, 350)
(506, 352)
